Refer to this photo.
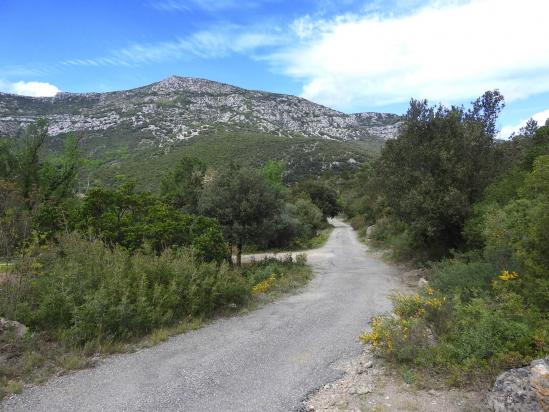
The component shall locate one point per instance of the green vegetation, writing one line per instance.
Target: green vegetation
(245, 205)
(475, 212)
(304, 157)
(94, 272)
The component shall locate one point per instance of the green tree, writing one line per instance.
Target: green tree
(181, 187)
(273, 172)
(245, 205)
(44, 186)
(430, 176)
(129, 219)
(309, 216)
(322, 195)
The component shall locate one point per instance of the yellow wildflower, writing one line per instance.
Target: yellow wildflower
(264, 286)
(505, 275)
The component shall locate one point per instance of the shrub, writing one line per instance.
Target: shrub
(468, 279)
(468, 341)
(81, 290)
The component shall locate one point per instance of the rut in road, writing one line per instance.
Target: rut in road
(268, 360)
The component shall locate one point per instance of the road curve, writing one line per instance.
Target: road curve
(268, 360)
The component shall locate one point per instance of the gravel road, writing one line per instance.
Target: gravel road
(268, 360)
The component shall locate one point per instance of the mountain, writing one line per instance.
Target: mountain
(157, 123)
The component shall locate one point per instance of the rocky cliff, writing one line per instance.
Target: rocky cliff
(179, 108)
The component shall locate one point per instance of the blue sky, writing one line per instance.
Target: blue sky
(348, 54)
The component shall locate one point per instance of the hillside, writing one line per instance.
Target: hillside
(158, 122)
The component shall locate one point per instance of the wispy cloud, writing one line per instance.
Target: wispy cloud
(205, 44)
(206, 5)
(35, 89)
(445, 51)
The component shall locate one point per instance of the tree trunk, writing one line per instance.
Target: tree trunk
(239, 254)
(231, 250)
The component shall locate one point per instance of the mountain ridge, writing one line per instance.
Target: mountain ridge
(178, 103)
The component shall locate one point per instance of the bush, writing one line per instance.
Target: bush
(81, 290)
(469, 341)
(392, 233)
(309, 216)
(467, 279)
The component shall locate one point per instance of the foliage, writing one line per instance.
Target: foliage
(273, 172)
(304, 157)
(244, 204)
(124, 217)
(309, 216)
(429, 178)
(81, 290)
(495, 295)
(322, 195)
(181, 186)
(467, 341)
(468, 279)
(35, 191)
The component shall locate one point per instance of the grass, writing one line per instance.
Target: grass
(321, 238)
(37, 356)
(4, 267)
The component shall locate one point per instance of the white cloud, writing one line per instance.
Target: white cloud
(35, 89)
(444, 51)
(540, 117)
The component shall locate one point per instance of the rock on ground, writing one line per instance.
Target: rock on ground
(18, 328)
(367, 385)
(522, 389)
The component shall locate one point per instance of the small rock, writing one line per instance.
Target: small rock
(363, 367)
(363, 390)
(432, 392)
(19, 329)
(422, 283)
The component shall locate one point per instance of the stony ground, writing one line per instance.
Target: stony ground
(370, 385)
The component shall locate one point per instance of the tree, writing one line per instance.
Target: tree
(244, 204)
(309, 216)
(44, 186)
(273, 172)
(440, 165)
(182, 186)
(124, 217)
(322, 195)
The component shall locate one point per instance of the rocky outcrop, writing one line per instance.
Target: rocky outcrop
(178, 108)
(522, 389)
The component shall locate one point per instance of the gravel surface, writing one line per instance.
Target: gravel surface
(268, 360)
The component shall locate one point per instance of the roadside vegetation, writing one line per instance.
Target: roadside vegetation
(474, 212)
(111, 268)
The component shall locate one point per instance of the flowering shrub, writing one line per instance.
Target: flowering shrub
(264, 286)
(470, 339)
(406, 333)
(505, 275)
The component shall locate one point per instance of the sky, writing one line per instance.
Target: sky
(353, 56)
